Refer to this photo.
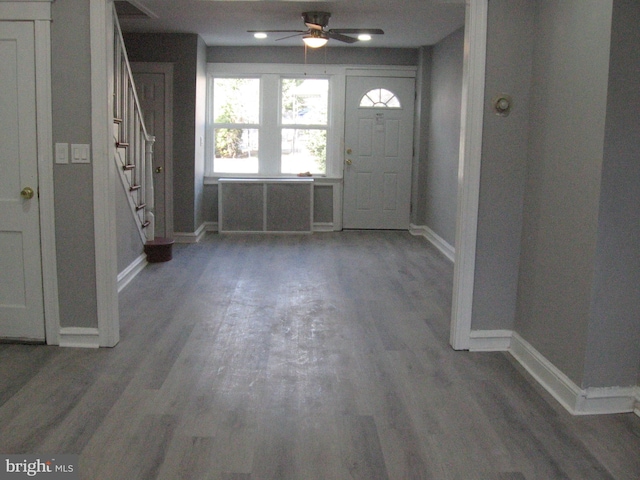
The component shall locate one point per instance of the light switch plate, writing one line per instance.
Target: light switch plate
(62, 153)
(80, 153)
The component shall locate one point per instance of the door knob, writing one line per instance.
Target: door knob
(27, 193)
(348, 161)
(159, 170)
(349, 151)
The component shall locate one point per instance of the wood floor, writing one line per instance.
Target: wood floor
(298, 357)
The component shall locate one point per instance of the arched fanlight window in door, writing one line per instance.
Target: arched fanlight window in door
(380, 98)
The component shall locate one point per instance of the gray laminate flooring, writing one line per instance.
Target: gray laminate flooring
(298, 357)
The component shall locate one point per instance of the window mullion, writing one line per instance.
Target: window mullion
(270, 126)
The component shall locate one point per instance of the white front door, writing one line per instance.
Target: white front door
(154, 88)
(378, 152)
(21, 294)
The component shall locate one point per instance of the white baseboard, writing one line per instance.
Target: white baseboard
(79, 337)
(636, 408)
(210, 226)
(190, 237)
(576, 400)
(436, 240)
(131, 271)
(322, 227)
(490, 340)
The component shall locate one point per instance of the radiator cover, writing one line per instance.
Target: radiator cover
(275, 205)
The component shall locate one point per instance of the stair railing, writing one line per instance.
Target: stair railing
(133, 145)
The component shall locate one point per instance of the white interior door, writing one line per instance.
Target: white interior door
(154, 87)
(378, 152)
(21, 295)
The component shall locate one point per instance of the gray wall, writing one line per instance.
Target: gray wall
(421, 137)
(504, 156)
(323, 203)
(200, 112)
(73, 183)
(613, 346)
(323, 56)
(566, 141)
(186, 52)
(443, 143)
(130, 245)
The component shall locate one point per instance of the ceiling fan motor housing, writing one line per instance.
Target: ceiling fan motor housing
(316, 18)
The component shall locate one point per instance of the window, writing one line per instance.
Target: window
(379, 98)
(304, 118)
(270, 124)
(236, 124)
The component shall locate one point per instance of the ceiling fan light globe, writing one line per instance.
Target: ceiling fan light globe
(260, 35)
(364, 37)
(314, 41)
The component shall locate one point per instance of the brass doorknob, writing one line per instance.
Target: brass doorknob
(27, 193)
(349, 151)
(159, 170)
(348, 161)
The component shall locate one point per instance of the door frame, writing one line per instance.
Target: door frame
(468, 184)
(165, 68)
(475, 48)
(101, 24)
(40, 14)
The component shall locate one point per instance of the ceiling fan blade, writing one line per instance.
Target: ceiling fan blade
(313, 26)
(370, 31)
(340, 37)
(291, 36)
(276, 31)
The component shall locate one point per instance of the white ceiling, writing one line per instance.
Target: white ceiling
(406, 23)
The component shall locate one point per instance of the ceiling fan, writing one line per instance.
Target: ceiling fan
(318, 35)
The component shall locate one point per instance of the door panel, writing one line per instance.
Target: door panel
(154, 86)
(378, 155)
(21, 295)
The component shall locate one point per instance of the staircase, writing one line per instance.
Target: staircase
(133, 145)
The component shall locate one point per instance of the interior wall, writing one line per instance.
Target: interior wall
(182, 50)
(421, 137)
(504, 157)
(562, 193)
(323, 56)
(129, 246)
(199, 114)
(323, 204)
(73, 183)
(443, 144)
(613, 346)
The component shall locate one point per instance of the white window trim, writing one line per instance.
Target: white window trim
(337, 75)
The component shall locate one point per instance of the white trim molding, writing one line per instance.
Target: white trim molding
(45, 180)
(436, 240)
(191, 237)
(577, 401)
(322, 227)
(104, 175)
(79, 337)
(473, 70)
(636, 408)
(129, 273)
(490, 340)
